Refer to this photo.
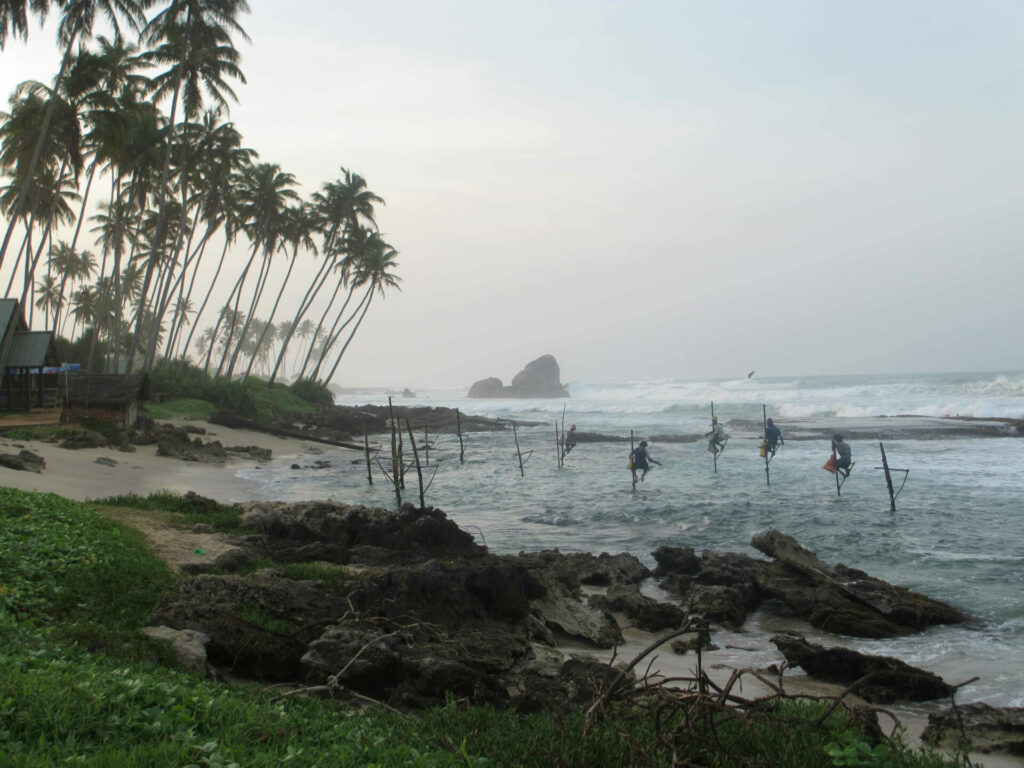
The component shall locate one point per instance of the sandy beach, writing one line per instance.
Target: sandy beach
(75, 474)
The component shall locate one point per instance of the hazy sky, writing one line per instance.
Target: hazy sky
(658, 189)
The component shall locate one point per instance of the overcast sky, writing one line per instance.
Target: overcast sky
(658, 189)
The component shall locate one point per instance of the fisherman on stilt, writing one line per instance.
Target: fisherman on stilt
(638, 460)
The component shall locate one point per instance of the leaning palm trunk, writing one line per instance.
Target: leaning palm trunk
(236, 293)
(304, 305)
(161, 224)
(335, 332)
(348, 341)
(206, 299)
(261, 282)
(273, 311)
(316, 335)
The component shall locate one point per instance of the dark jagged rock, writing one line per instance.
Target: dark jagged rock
(251, 452)
(990, 730)
(540, 378)
(337, 528)
(841, 599)
(84, 438)
(720, 587)
(676, 560)
(175, 443)
(561, 609)
(891, 679)
(576, 568)
(643, 611)
(24, 460)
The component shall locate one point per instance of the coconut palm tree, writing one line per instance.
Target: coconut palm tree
(374, 269)
(76, 23)
(193, 39)
(264, 194)
(14, 17)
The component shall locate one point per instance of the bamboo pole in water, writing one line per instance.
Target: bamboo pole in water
(394, 456)
(518, 452)
(416, 456)
(558, 450)
(426, 446)
(366, 444)
(714, 437)
(458, 426)
(764, 442)
(888, 478)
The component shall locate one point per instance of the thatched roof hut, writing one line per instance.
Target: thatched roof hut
(107, 396)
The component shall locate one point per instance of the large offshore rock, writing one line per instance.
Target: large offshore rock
(844, 600)
(540, 378)
(891, 679)
(991, 730)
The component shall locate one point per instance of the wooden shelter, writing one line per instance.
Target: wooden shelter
(113, 397)
(28, 360)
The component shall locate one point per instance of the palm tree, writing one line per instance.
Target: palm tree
(14, 17)
(373, 269)
(76, 23)
(298, 227)
(264, 194)
(193, 38)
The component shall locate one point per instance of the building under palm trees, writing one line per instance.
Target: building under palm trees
(25, 356)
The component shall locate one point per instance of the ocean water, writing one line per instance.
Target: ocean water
(957, 534)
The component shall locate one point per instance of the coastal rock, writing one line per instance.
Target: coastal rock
(721, 587)
(644, 612)
(24, 460)
(188, 646)
(889, 679)
(843, 600)
(540, 378)
(575, 568)
(417, 534)
(676, 560)
(563, 611)
(251, 452)
(84, 438)
(990, 730)
(175, 443)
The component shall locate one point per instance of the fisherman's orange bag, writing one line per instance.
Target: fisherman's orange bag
(830, 465)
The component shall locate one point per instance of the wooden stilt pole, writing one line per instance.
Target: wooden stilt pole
(394, 456)
(631, 449)
(419, 469)
(558, 448)
(764, 443)
(519, 453)
(366, 444)
(401, 457)
(462, 447)
(426, 446)
(888, 478)
(714, 437)
(839, 485)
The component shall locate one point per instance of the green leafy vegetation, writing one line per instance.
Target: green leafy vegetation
(181, 408)
(179, 380)
(312, 392)
(44, 432)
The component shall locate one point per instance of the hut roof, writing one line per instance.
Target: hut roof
(31, 349)
(107, 390)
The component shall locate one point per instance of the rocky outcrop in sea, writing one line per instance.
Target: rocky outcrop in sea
(540, 378)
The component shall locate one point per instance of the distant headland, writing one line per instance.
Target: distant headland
(539, 378)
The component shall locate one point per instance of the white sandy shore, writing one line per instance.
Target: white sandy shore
(75, 474)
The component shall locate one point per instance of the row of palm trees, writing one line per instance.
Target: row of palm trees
(171, 196)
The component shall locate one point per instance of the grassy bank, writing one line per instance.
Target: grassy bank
(79, 684)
